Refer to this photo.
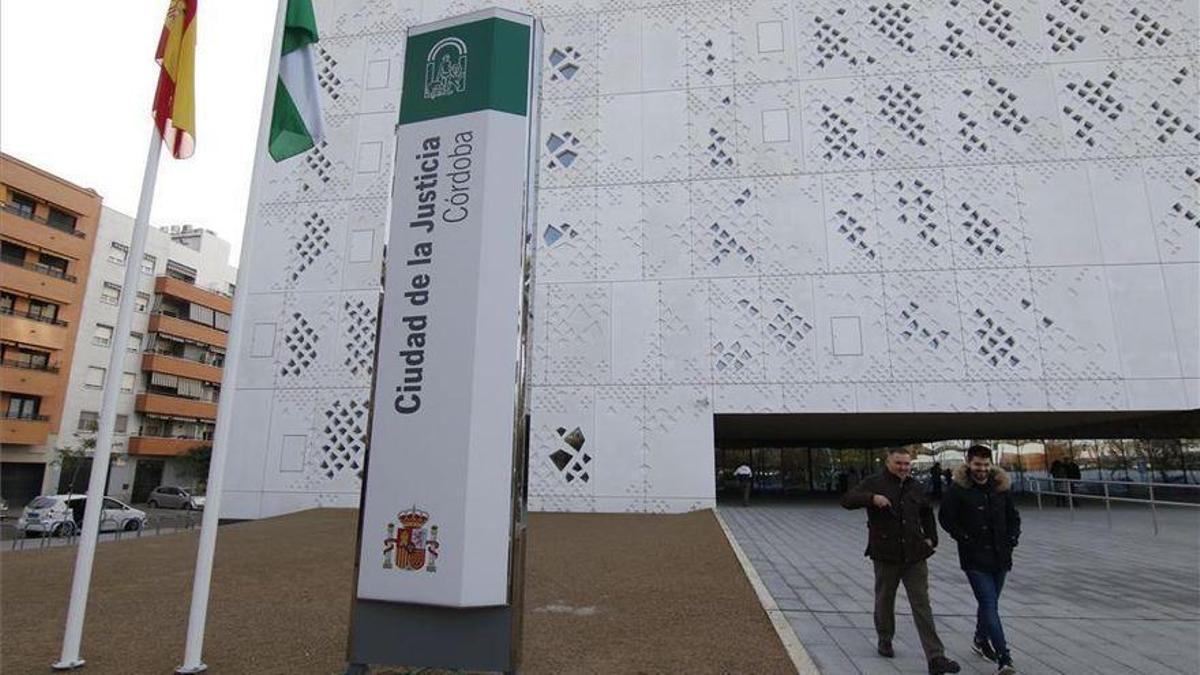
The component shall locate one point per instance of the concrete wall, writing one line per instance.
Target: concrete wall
(763, 206)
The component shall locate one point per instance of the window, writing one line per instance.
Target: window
(53, 264)
(12, 253)
(148, 263)
(127, 382)
(135, 341)
(142, 302)
(221, 321)
(25, 358)
(95, 377)
(181, 272)
(103, 335)
(200, 314)
(42, 310)
(23, 407)
(61, 220)
(122, 425)
(111, 293)
(118, 253)
(88, 421)
(8, 302)
(24, 206)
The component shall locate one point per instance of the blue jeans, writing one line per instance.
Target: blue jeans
(987, 587)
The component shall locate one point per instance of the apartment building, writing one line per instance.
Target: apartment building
(170, 380)
(47, 236)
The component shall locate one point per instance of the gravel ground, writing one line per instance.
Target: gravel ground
(604, 593)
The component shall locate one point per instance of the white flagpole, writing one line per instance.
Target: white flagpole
(108, 416)
(201, 582)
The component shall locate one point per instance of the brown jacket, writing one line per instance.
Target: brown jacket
(897, 534)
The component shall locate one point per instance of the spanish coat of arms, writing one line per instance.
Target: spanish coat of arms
(411, 545)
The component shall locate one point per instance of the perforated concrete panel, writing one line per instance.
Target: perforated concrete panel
(763, 206)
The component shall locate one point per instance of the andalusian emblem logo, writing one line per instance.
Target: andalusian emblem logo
(446, 68)
(412, 545)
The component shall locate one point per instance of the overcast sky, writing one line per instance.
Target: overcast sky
(76, 82)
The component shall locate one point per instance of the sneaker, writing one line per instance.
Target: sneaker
(1006, 666)
(984, 649)
(885, 649)
(940, 664)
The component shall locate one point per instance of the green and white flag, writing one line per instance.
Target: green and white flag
(296, 123)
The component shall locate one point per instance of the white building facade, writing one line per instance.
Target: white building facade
(761, 207)
(177, 249)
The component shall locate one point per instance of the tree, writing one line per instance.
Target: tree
(72, 459)
(195, 464)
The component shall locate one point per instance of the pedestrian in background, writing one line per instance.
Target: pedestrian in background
(980, 515)
(902, 534)
(1058, 470)
(745, 477)
(935, 480)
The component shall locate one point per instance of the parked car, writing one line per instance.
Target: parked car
(171, 497)
(60, 515)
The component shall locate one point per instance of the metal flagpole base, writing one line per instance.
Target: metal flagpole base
(69, 665)
(198, 668)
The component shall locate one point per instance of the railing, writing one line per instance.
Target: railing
(187, 319)
(41, 268)
(23, 416)
(9, 208)
(178, 437)
(46, 368)
(111, 530)
(9, 311)
(1069, 490)
(203, 360)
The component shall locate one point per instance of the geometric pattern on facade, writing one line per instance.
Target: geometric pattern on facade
(773, 206)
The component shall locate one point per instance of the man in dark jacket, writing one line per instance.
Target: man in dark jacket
(979, 513)
(901, 535)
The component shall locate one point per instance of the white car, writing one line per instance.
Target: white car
(55, 514)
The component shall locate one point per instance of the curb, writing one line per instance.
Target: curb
(787, 635)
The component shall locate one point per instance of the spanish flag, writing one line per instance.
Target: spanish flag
(175, 99)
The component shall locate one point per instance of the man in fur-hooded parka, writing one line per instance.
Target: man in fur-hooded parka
(982, 519)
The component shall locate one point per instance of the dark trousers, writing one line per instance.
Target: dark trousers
(744, 483)
(987, 587)
(916, 585)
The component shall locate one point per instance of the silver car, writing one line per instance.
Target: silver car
(172, 497)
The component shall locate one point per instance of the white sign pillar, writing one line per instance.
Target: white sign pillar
(439, 556)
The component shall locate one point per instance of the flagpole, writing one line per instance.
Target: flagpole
(86, 554)
(201, 581)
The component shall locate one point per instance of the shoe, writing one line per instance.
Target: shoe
(984, 649)
(940, 664)
(885, 649)
(1006, 666)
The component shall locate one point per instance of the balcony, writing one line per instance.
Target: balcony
(26, 430)
(33, 316)
(37, 232)
(189, 330)
(172, 365)
(24, 379)
(33, 329)
(177, 288)
(176, 406)
(40, 280)
(155, 446)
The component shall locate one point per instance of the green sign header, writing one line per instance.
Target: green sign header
(472, 66)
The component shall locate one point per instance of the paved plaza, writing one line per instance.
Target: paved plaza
(1082, 597)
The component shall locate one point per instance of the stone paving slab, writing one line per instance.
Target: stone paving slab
(1083, 597)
